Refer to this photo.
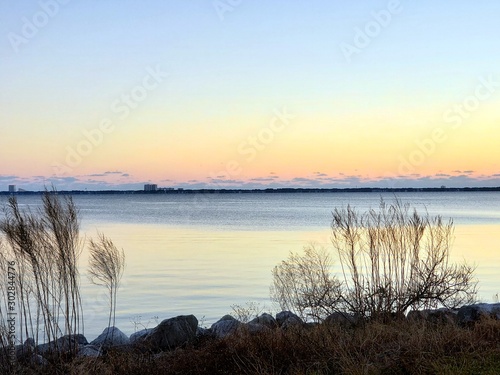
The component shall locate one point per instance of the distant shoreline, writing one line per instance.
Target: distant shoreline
(268, 191)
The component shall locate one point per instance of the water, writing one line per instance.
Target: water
(201, 254)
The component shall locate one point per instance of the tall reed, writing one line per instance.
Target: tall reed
(106, 266)
(45, 246)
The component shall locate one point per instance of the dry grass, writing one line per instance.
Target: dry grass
(399, 347)
(44, 246)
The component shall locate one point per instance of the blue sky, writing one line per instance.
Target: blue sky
(229, 68)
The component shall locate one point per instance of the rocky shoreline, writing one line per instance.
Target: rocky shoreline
(176, 332)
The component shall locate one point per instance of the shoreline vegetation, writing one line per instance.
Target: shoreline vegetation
(399, 306)
(441, 341)
(267, 190)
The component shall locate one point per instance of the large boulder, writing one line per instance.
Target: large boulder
(266, 320)
(203, 332)
(287, 319)
(171, 333)
(436, 316)
(225, 326)
(62, 344)
(473, 313)
(261, 323)
(25, 349)
(89, 351)
(139, 335)
(342, 319)
(111, 337)
(38, 360)
(256, 328)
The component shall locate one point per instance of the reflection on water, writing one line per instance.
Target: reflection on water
(480, 245)
(196, 254)
(172, 271)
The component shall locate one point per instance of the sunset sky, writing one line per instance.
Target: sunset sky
(249, 93)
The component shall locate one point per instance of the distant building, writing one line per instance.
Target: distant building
(12, 188)
(150, 187)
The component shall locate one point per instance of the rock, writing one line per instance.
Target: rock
(171, 333)
(225, 326)
(266, 320)
(310, 325)
(111, 337)
(292, 323)
(203, 332)
(473, 313)
(341, 319)
(442, 315)
(256, 327)
(25, 349)
(29, 343)
(62, 344)
(22, 351)
(284, 316)
(89, 351)
(38, 360)
(136, 336)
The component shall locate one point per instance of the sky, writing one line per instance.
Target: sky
(249, 94)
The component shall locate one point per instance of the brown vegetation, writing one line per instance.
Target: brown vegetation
(106, 266)
(398, 347)
(44, 247)
(393, 260)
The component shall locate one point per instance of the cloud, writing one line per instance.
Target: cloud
(123, 181)
(463, 172)
(302, 179)
(9, 178)
(221, 181)
(264, 179)
(107, 173)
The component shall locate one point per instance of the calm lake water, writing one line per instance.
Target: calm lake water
(201, 254)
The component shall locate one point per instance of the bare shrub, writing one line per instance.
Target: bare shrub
(394, 260)
(304, 284)
(247, 312)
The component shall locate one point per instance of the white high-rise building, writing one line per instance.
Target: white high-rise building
(150, 187)
(12, 188)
